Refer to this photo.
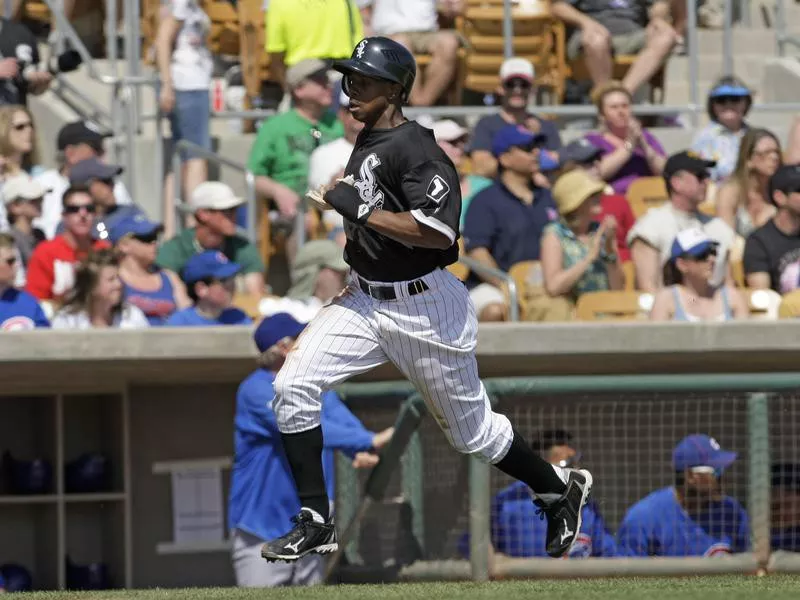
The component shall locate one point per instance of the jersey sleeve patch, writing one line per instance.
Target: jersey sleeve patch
(438, 189)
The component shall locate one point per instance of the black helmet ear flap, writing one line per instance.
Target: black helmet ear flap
(346, 84)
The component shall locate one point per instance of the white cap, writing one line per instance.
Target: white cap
(22, 187)
(516, 67)
(213, 195)
(448, 130)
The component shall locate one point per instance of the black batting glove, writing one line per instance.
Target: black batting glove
(345, 200)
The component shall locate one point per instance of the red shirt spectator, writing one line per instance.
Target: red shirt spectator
(618, 207)
(51, 270)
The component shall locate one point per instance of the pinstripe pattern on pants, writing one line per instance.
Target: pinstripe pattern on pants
(430, 337)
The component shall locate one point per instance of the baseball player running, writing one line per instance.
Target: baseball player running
(401, 205)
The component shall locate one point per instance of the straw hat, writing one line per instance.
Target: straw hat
(573, 189)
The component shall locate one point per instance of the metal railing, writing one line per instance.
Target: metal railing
(513, 292)
(249, 180)
(756, 393)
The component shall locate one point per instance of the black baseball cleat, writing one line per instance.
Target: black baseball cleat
(306, 537)
(564, 513)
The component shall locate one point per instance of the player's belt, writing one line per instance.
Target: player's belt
(387, 292)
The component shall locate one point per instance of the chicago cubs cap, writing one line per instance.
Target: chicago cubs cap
(515, 136)
(134, 225)
(700, 450)
(209, 264)
(90, 169)
(81, 132)
(274, 328)
(687, 161)
(516, 67)
(691, 242)
(22, 187)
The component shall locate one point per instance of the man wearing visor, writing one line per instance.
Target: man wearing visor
(694, 517)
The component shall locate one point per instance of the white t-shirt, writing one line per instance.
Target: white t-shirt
(131, 317)
(403, 16)
(302, 310)
(192, 65)
(659, 226)
(51, 205)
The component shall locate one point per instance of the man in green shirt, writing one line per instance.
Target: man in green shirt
(280, 155)
(214, 205)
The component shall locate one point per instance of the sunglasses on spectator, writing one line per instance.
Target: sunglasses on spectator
(728, 99)
(72, 209)
(150, 238)
(11, 261)
(517, 83)
(22, 126)
(702, 257)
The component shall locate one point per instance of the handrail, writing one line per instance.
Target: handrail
(249, 178)
(474, 265)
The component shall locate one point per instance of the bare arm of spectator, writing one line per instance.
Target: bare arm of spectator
(277, 67)
(727, 203)
(738, 303)
(660, 10)
(179, 293)
(558, 281)
(167, 33)
(276, 45)
(646, 261)
(663, 306)
(612, 162)
(254, 284)
(483, 256)
(793, 145)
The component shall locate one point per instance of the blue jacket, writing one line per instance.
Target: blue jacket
(263, 496)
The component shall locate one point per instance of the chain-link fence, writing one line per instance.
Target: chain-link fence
(445, 515)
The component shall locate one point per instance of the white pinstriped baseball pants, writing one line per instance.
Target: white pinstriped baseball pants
(430, 337)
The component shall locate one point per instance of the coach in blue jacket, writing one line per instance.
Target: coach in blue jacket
(263, 495)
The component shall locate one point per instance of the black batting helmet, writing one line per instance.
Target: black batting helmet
(380, 58)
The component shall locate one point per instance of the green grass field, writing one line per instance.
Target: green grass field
(783, 587)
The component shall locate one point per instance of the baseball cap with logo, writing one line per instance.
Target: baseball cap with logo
(688, 161)
(213, 195)
(573, 189)
(515, 136)
(303, 70)
(91, 169)
(275, 328)
(209, 264)
(448, 130)
(22, 187)
(700, 450)
(691, 242)
(516, 67)
(82, 132)
(133, 225)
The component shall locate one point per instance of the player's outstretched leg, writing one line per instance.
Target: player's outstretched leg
(456, 398)
(338, 344)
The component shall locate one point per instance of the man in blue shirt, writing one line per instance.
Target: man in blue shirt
(504, 223)
(517, 529)
(19, 310)
(693, 517)
(210, 283)
(263, 497)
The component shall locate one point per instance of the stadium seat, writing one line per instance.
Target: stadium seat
(737, 269)
(459, 269)
(614, 306)
(526, 274)
(764, 305)
(537, 37)
(249, 304)
(224, 35)
(790, 306)
(32, 10)
(646, 193)
(629, 269)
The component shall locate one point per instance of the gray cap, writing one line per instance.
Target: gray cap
(92, 168)
(300, 71)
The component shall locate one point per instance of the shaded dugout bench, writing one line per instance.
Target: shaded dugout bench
(155, 401)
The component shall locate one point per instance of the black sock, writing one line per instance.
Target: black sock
(304, 451)
(524, 464)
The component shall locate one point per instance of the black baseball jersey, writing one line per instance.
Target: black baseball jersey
(16, 41)
(402, 169)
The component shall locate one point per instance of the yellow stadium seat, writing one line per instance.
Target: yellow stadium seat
(790, 306)
(645, 193)
(629, 269)
(614, 306)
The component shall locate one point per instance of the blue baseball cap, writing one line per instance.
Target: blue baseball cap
(274, 328)
(209, 264)
(699, 450)
(514, 136)
(134, 225)
(727, 89)
(691, 242)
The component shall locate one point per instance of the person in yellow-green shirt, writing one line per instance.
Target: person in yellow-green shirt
(301, 29)
(280, 156)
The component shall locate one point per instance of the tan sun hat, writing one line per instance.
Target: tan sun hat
(573, 189)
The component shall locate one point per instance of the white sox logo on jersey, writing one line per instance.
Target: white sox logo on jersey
(437, 189)
(367, 189)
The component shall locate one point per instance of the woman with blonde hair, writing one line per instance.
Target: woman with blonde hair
(629, 152)
(18, 151)
(579, 255)
(97, 300)
(743, 201)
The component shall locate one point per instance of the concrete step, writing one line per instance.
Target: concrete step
(746, 66)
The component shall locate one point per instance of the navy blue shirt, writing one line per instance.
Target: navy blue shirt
(488, 126)
(507, 227)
